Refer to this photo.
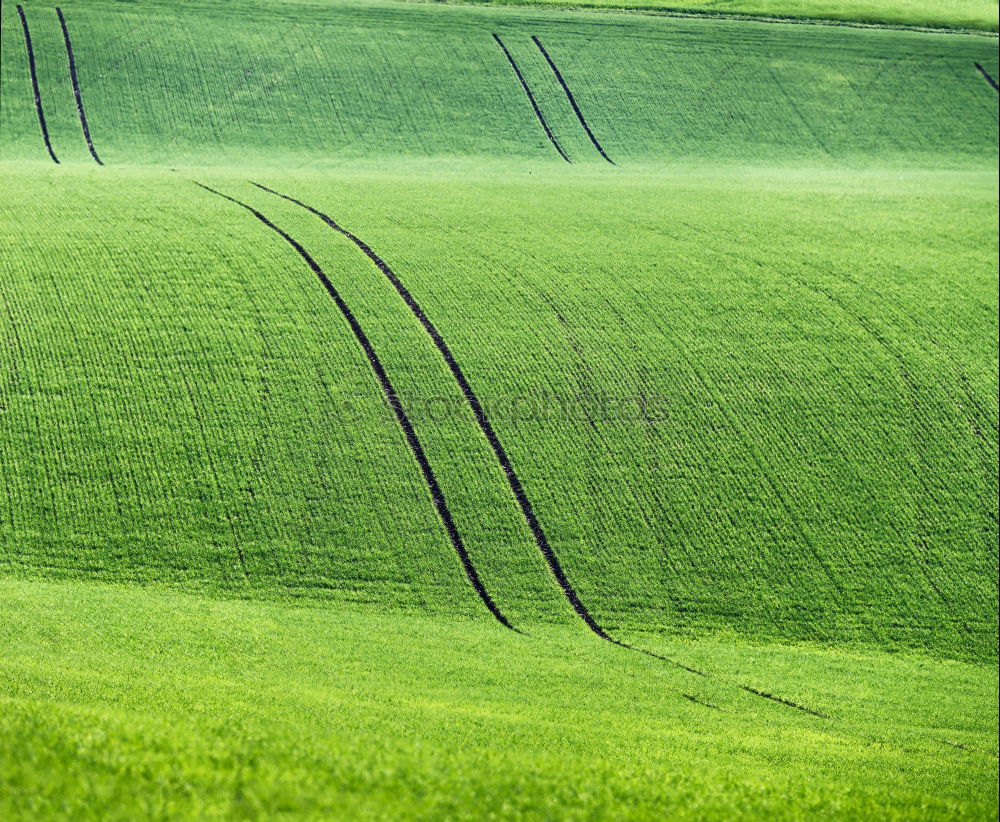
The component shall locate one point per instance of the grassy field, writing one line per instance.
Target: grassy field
(670, 343)
(124, 703)
(961, 14)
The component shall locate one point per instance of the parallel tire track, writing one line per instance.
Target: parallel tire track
(531, 99)
(571, 98)
(982, 71)
(34, 84)
(76, 88)
(501, 455)
(393, 399)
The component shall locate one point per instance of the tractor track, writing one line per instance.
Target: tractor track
(979, 68)
(34, 84)
(437, 495)
(531, 99)
(571, 98)
(569, 592)
(76, 88)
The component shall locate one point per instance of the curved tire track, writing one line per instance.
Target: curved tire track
(76, 88)
(393, 399)
(571, 98)
(501, 454)
(531, 99)
(34, 84)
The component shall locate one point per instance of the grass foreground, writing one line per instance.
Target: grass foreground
(124, 703)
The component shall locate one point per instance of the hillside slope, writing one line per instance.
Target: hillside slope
(669, 343)
(322, 85)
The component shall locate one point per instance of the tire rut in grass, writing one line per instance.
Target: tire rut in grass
(76, 88)
(437, 495)
(979, 68)
(34, 84)
(572, 99)
(531, 99)
(527, 510)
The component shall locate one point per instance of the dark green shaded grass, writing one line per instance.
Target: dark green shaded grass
(719, 427)
(325, 85)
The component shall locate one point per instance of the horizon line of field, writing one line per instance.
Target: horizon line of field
(74, 82)
(517, 490)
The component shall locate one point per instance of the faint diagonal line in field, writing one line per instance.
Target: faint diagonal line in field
(34, 84)
(197, 412)
(872, 331)
(289, 69)
(50, 481)
(571, 98)
(76, 88)
(541, 540)
(531, 99)
(962, 624)
(982, 71)
(437, 495)
(798, 112)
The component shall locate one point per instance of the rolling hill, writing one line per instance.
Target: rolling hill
(417, 410)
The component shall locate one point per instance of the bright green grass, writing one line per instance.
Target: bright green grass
(748, 378)
(125, 703)
(970, 14)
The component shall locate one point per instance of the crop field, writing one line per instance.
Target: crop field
(457, 411)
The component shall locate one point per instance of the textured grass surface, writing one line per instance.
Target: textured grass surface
(963, 14)
(121, 703)
(746, 379)
(785, 435)
(329, 85)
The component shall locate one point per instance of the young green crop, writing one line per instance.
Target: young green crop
(716, 379)
(961, 14)
(125, 702)
(719, 427)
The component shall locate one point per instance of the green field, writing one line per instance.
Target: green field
(668, 342)
(953, 14)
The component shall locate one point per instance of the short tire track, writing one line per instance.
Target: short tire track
(531, 99)
(437, 495)
(571, 98)
(981, 70)
(76, 88)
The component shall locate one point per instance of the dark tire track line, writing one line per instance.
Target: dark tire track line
(981, 70)
(782, 701)
(393, 399)
(34, 84)
(531, 99)
(76, 88)
(501, 454)
(571, 98)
